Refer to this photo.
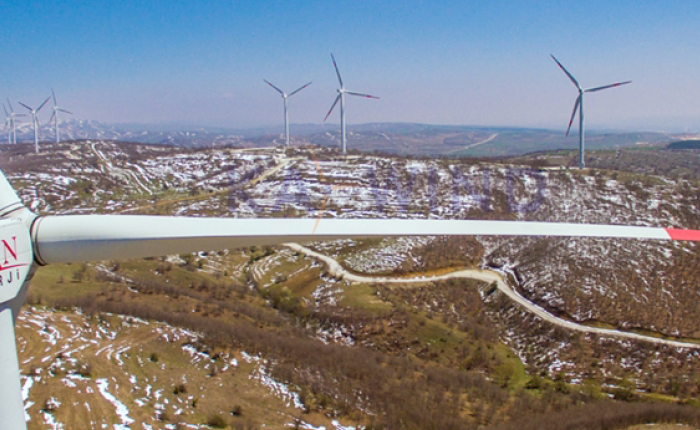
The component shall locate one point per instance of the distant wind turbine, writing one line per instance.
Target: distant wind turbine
(35, 122)
(578, 105)
(7, 124)
(54, 116)
(286, 96)
(341, 96)
(12, 123)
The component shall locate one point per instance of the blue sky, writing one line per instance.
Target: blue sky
(442, 62)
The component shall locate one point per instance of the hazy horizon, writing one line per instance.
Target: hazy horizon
(485, 65)
(175, 125)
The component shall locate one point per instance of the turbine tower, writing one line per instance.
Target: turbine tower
(12, 123)
(35, 122)
(341, 96)
(8, 121)
(578, 105)
(286, 96)
(54, 116)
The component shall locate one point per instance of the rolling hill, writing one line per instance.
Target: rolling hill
(451, 353)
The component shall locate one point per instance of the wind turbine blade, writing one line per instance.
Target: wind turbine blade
(573, 114)
(42, 105)
(592, 90)
(361, 95)
(12, 407)
(73, 238)
(54, 97)
(104, 237)
(28, 108)
(337, 72)
(331, 109)
(566, 71)
(5, 109)
(298, 89)
(278, 90)
(10, 105)
(53, 115)
(66, 111)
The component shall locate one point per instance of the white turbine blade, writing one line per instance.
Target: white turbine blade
(15, 267)
(567, 72)
(18, 257)
(53, 94)
(28, 108)
(11, 402)
(573, 114)
(10, 105)
(42, 105)
(278, 90)
(331, 109)
(361, 95)
(592, 90)
(104, 237)
(9, 200)
(299, 89)
(337, 72)
(53, 115)
(66, 111)
(74, 238)
(5, 109)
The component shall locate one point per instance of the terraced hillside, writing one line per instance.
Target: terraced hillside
(122, 372)
(458, 337)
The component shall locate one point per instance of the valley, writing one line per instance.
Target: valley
(340, 342)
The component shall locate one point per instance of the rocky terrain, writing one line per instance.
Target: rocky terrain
(643, 286)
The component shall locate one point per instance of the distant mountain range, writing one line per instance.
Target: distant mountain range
(396, 138)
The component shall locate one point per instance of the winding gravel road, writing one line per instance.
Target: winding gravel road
(488, 276)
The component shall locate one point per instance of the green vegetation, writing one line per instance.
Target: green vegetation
(427, 355)
(684, 144)
(427, 338)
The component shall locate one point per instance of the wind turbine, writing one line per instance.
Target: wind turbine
(341, 96)
(8, 121)
(28, 240)
(12, 122)
(54, 115)
(578, 105)
(35, 122)
(286, 96)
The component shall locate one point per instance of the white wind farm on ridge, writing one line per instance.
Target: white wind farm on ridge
(31, 239)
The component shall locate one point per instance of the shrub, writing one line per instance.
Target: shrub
(85, 370)
(216, 421)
